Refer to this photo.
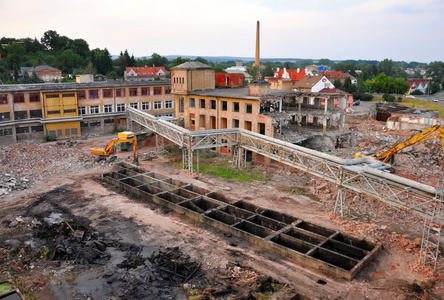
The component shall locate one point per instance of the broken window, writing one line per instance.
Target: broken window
(235, 106)
(38, 128)
(213, 104)
(202, 103)
(235, 123)
(22, 130)
(248, 108)
(83, 123)
(19, 98)
(94, 123)
(224, 105)
(5, 116)
(34, 97)
(7, 131)
(3, 98)
(35, 113)
(21, 114)
(192, 104)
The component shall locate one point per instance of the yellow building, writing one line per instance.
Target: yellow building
(65, 110)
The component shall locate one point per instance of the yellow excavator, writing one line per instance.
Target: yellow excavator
(388, 156)
(122, 137)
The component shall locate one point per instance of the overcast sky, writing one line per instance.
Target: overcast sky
(404, 30)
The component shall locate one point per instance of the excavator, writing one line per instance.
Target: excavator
(388, 156)
(122, 137)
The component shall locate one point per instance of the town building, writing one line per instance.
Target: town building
(201, 106)
(224, 80)
(66, 110)
(313, 84)
(418, 85)
(144, 73)
(46, 73)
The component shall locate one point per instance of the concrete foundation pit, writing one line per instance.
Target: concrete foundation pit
(308, 244)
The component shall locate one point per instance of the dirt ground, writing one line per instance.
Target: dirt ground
(66, 234)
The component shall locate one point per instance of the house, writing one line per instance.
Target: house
(333, 75)
(144, 73)
(285, 79)
(313, 84)
(47, 73)
(348, 97)
(240, 69)
(418, 85)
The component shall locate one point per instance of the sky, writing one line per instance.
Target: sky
(401, 30)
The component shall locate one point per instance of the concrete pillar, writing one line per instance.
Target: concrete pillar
(324, 122)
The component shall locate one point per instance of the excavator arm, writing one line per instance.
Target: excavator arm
(107, 150)
(419, 138)
(124, 137)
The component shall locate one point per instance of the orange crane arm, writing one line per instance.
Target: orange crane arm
(420, 137)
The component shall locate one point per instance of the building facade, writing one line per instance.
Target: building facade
(145, 73)
(65, 110)
(47, 73)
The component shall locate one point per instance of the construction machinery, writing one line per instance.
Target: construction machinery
(388, 156)
(124, 138)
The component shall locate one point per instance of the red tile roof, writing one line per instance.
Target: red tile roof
(144, 71)
(293, 73)
(333, 74)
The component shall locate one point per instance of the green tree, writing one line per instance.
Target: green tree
(388, 97)
(253, 71)
(178, 61)
(26, 79)
(268, 70)
(80, 47)
(157, 61)
(202, 60)
(35, 78)
(15, 54)
(90, 69)
(124, 61)
(67, 60)
(325, 62)
(400, 86)
(51, 40)
(102, 61)
(386, 67)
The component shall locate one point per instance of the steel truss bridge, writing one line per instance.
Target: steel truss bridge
(364, 176)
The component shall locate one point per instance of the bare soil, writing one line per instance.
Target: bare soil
(69, 235)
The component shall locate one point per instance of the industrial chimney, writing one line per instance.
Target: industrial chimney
(257, 62)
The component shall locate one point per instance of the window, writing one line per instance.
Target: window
(145, 91)
(120, 107)
(120, 92)
(59, 133)
(81, 95)
(157, 104)
(82, 110)
(66, 132)
(213, 104)
(133, 92)
(94, 109)
(157, 90)
(235, 106)
(248, 108)
(7, 131)
(38, 128)
(53, 112)
(19, 98)
(224, 105)
(108, 108)
(52, 132)
(68, 95)
(22, 129)
(169, 104)
(167, 90)
(35, 113)
(83, 124)
(134, 105)
(93, 94)
(34, 97)
(107, 93)
(181, 104)
(235, 123)
(202, 103)
(191, 102)
(69, 111)
(73, 131)
(94, 123)
(108, 121)
(52, 96)
(20, 114)
(146, 106)
(3, 98)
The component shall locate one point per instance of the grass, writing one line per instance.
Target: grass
(244, 175)
(415, 103)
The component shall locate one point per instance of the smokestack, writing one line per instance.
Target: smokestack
(257, 62)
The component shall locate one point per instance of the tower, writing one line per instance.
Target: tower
(257, 59)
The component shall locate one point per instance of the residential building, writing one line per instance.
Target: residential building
(312, 84)
(30, 111)
(418, 85)
(224, 80)
(47, 73)
(240, 69)
(145, 73)
(285, 79)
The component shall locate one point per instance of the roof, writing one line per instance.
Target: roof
(294, 74)
(48, 87)
(333, 91)
(308, 81)
(44, 67)
(333, 74)
(144, 71)
(192, 65)
(418, 81)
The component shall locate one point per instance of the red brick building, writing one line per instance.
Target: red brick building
(229, 80)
